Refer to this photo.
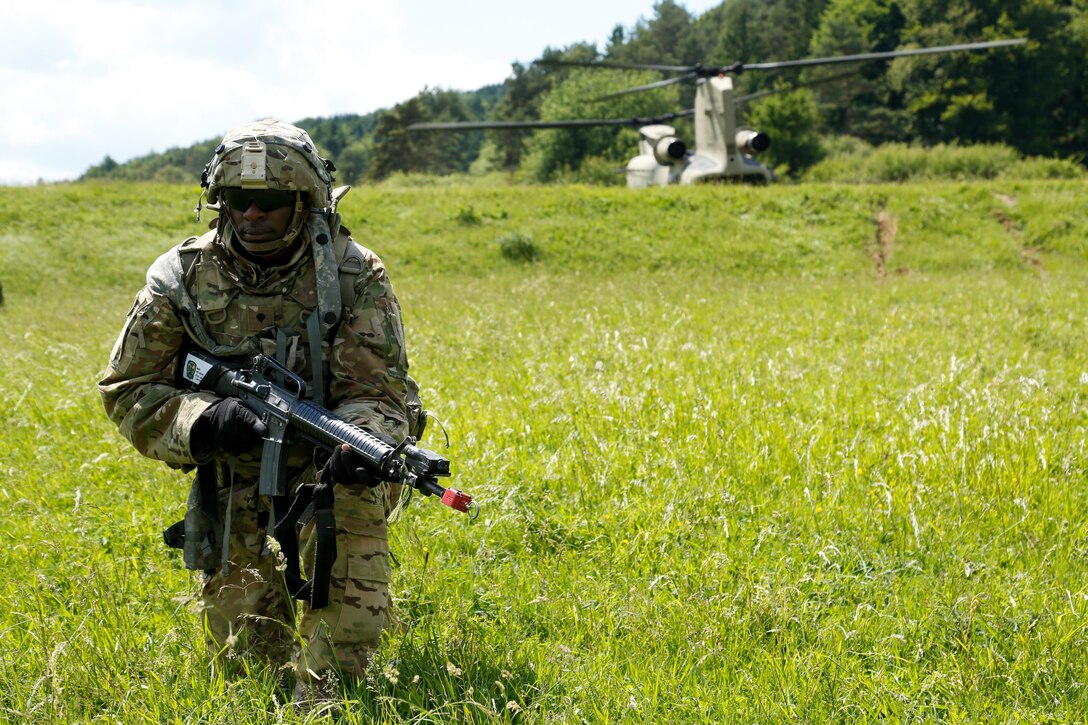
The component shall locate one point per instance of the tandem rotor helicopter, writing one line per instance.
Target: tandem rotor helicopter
(723, 151)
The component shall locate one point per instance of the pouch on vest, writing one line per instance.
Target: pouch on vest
(417, 416)
(200, 534)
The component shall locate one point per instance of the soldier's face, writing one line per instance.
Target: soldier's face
(257, 225)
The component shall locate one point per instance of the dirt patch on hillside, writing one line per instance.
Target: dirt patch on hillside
(883, 244)
(1003, 217)
(1031, 256)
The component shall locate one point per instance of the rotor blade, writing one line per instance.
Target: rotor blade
(511, 125)
(882, 56)
(793, 87)
(616, 66)
(524, 125)
(648, 86)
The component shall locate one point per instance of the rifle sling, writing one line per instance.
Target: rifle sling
(313, 335)
(318, 498)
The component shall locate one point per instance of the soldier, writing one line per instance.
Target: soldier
(277, 274)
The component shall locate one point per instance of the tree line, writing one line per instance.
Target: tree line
(1028, 97)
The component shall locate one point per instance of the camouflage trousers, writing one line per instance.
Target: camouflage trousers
(248, 613)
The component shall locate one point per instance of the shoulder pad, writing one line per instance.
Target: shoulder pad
(349, 255)
(197, 242)
(166, 274)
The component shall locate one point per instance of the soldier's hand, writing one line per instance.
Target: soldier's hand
(227, 427)
(347, 467)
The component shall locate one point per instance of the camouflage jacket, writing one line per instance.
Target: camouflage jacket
(244, 307)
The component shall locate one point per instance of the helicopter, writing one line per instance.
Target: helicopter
(723, 150)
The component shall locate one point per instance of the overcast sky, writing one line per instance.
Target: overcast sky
(82, 79)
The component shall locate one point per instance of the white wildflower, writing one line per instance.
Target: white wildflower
(274, 547)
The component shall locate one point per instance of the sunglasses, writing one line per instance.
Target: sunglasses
(265, 199)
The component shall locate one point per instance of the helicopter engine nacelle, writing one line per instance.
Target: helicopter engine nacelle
(752, 142)
(670, 150)
(662, 157)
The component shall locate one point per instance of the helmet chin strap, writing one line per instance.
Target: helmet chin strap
(272, 246)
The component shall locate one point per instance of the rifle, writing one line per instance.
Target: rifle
(278, 400)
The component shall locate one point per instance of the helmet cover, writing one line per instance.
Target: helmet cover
(269, 154)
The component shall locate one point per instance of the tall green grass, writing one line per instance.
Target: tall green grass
(743, 455)
(851, 160)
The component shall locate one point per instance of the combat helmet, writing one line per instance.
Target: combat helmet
(270, 154)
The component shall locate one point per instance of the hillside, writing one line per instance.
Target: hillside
(812, 229)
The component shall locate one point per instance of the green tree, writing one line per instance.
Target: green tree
(334, 142)
(790, 118)
(1029, 96)
(665, 39)
(524, 91)
(670, 37)
(1070, 100)
(172, 175)
(766, 30)
(354, 161)
(101, 170)
(395, 147)
(857, 100)
(555, 151)
(398, 149)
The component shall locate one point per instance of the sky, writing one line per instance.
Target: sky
(83, 79)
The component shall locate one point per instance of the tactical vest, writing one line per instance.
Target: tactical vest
(337, 262)
(205, 531)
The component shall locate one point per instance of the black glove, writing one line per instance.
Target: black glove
(227, 427)
(348, 467)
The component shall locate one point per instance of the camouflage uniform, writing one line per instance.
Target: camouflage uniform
(249, 308)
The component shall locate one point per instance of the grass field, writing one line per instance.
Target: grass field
(788, 454)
